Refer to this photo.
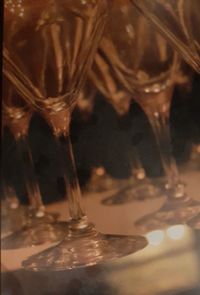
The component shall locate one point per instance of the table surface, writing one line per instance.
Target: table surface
(172, 267)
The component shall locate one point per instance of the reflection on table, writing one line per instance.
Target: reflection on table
(170, 264)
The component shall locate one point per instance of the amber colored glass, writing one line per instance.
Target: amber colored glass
(179, 23)
(48, 48)
(145, 65)
(38, 226)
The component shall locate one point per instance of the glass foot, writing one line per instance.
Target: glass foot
(35, 233)
(171, 213)
(84, 251)
(100, 182)
(104, 185)
(136, 192)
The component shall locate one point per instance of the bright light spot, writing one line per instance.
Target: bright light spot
(198, 148)
(176, 232)
(14, 205)
(155, 237)
(40, 213)
(140, 174)
(100, 171)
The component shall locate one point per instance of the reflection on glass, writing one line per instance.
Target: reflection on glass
(179, 22)
(108, 75)
(145, 64)
(47, 52)
(39, 226)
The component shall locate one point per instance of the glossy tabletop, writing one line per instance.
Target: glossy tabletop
(170, 264)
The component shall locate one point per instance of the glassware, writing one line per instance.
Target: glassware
(40, 226)
(146, 65)
(106, 76)
(179, 22)
(100, 181)
(47, 52)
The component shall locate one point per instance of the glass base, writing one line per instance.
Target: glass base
(85, 250)
(140, 191)
(102, 183)
(36, 232)
(171, 213)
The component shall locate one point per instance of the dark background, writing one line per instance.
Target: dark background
(104, 139)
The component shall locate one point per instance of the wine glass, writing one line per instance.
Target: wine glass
(110, 84)
(179, 22)
(147, 66)
(39, 226)
(47, 51)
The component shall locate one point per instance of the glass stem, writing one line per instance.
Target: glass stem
(79, 219)
(160, 124)
(136, 166)
(31, 183)
(156, 105)
(60, 123)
